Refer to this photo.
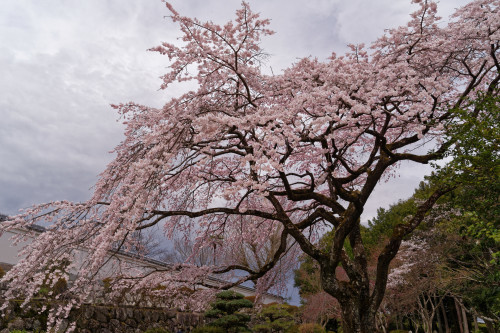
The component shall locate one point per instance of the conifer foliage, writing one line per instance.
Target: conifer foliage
(225, 312)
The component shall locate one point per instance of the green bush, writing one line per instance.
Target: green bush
(225, 314)
(43, 292)
(276, 318)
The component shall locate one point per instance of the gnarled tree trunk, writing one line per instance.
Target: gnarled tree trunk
(355, 319)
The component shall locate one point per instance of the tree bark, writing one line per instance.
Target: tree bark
(464, 319)
(355, 320)
(415, 324)
(459, 316)
(445, 317)
(383, 322)
(476, 326)
(427, 316)
(440, 322)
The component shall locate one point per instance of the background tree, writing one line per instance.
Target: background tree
(476, 166)
(457, 269)
(246, 152)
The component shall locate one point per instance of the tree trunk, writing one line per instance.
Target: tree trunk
(464, 320)
(425, 314)
(415, 324)
(459, 316)
(354, 320)
(445, 317)
(440, 322)
(476, 326)
(382, 322)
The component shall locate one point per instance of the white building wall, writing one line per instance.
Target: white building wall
(9, 252)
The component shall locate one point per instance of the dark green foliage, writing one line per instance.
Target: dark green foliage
(222, 306)
(381, 227)
(475, 169)
(232, 322)
(307, 278)
(276, 318)
(225, 312)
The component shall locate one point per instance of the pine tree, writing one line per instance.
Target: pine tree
(225, 312)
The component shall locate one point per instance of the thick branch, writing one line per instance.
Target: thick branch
(392, 247)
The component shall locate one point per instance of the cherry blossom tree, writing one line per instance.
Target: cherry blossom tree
(247, 153)
(413, 284)
(320, 308)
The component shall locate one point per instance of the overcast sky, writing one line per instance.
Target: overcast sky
(63, 62)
